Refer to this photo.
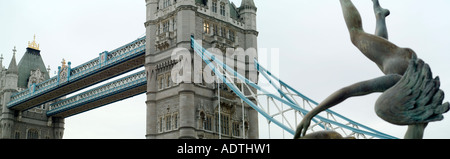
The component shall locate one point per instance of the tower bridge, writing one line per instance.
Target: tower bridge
(35, 105)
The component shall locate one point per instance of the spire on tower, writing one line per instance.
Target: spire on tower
(14, 51)
(12, 69)
(248, 4)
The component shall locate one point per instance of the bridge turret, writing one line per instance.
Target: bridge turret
(12, 69)
(12, 73)
(152, 8)
(7, 117)
(247, 10)
(175, 98)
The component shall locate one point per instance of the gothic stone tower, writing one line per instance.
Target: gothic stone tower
(32, 123)
(191, 109)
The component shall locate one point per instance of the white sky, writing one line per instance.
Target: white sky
(317, 57)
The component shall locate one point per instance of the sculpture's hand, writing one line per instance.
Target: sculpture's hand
(303, 127)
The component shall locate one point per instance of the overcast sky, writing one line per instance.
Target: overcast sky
(316, 55)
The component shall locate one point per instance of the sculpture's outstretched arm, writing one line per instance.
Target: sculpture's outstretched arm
(380, 84)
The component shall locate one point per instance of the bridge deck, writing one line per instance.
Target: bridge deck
(108, 65)
(108, 93)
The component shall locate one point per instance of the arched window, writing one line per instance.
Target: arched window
(206, 28)
(214, 6)
(166, 3)
(17, 135)
(32, 134)
(224, 123)
(160, 82)
(160, 122)
(168, 123)
(222, 9)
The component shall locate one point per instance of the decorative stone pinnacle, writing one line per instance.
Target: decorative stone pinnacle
(14, 51)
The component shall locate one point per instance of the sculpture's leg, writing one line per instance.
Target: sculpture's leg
(352, 17)
(380, 14)
(373, 47)
(380, 84)
(415, 131)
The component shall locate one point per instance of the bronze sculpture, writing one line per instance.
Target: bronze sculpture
(411, 96)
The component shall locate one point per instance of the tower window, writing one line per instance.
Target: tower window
(206, 28)
(168, 123)
(214, 6)
(175, 120)
(166, 3)
(17, 135)
(160, 124)
(160, 82)
(222, 9)
(208, 123)
(231, 35)
(168, 80)
(33, 134)
(224, 121)
(222, 32)
(166, 26)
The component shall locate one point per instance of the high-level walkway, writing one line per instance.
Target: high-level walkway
(108, 65)
(111, 92)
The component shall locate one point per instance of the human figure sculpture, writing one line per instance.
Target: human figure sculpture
(410, 95)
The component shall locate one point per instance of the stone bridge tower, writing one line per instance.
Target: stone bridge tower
(32, 123)
(190, 109)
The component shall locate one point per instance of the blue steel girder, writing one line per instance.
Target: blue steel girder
(108, 65)
(208, 58)
(111, 92)
(362, 129)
